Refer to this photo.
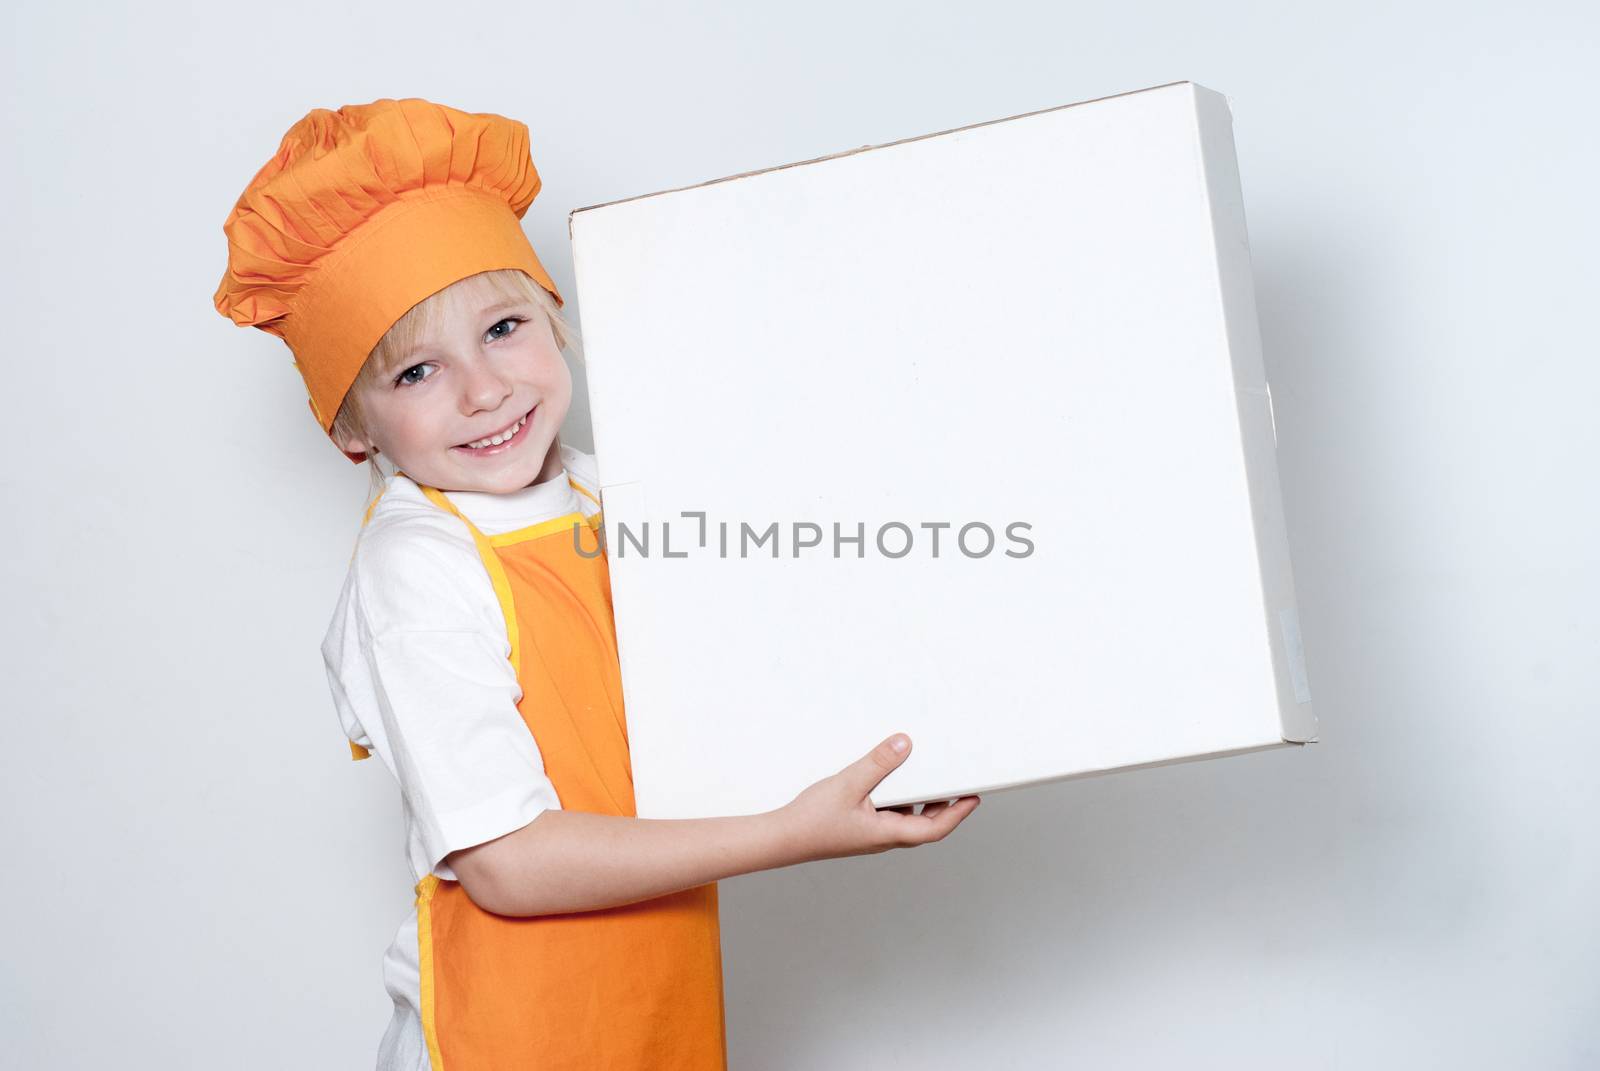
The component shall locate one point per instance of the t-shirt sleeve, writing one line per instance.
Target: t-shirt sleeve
(433, 646)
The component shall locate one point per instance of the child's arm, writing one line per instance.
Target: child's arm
(567, 861)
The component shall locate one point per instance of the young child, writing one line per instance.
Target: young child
(472, 648)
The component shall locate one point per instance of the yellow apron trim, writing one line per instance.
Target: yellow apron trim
(534, 531)
(430, 1029)
(491, 562)
(582, 490)
(367, 516)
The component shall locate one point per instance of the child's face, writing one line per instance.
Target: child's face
(489, 364)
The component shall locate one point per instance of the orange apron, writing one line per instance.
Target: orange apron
(631, 987)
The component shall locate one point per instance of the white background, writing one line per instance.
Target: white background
(198, 876)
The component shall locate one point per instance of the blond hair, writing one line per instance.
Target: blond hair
(390, 356)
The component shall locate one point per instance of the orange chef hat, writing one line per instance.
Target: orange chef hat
(363, 213)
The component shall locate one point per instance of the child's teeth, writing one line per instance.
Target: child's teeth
(496, 440)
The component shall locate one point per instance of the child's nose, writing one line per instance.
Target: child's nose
(483, 387)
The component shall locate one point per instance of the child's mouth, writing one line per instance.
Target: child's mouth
(500, 447)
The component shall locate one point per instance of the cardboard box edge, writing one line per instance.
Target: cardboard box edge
(868, 148)
(1257, 422)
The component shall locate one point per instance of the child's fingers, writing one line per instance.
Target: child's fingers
(944, 820)
(929, 810)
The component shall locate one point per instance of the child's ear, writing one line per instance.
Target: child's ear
(357, 450)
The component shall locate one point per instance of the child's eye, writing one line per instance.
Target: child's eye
(405, 379)
(510, 321)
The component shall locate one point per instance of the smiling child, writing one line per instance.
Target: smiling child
(472, 648)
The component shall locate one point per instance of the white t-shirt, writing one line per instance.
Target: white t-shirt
(419, 665)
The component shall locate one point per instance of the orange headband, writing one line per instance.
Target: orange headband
(362, 214)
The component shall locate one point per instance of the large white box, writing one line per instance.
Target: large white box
(1046, 320)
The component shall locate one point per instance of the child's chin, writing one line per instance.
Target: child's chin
(496, 479)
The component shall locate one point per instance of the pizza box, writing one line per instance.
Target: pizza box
(967, 436)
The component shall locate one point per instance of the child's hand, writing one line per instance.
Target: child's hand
(835, 816)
